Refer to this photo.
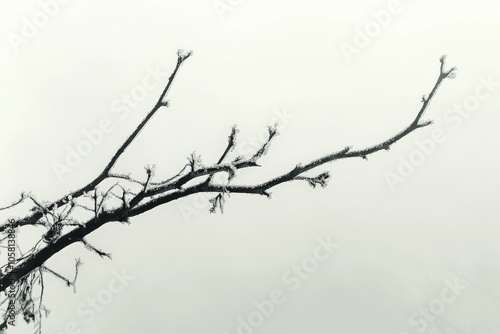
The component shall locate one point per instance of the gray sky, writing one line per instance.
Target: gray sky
(408, 224)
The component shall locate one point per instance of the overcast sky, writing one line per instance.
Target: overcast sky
(405, 242)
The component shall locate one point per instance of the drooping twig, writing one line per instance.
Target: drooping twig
(78, 264)
(95, 249)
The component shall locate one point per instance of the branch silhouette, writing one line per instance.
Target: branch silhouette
(129, 197)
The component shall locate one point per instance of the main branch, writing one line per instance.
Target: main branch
(129, 197)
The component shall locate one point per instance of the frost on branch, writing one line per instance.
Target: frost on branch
(112, 197)
(321, 180)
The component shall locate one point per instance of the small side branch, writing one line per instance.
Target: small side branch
(231, 143)
(23, 197)
(181, 57)
(78, 264)
(96, 250)
(272, 132)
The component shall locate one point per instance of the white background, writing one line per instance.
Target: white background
(198, 273)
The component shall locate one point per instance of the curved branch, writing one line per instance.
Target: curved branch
(134, 207)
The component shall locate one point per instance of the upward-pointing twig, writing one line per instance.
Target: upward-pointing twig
(29, 220)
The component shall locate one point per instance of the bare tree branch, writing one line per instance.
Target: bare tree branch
(109, 206)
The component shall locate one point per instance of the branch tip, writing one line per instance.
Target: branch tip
(182, 55)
